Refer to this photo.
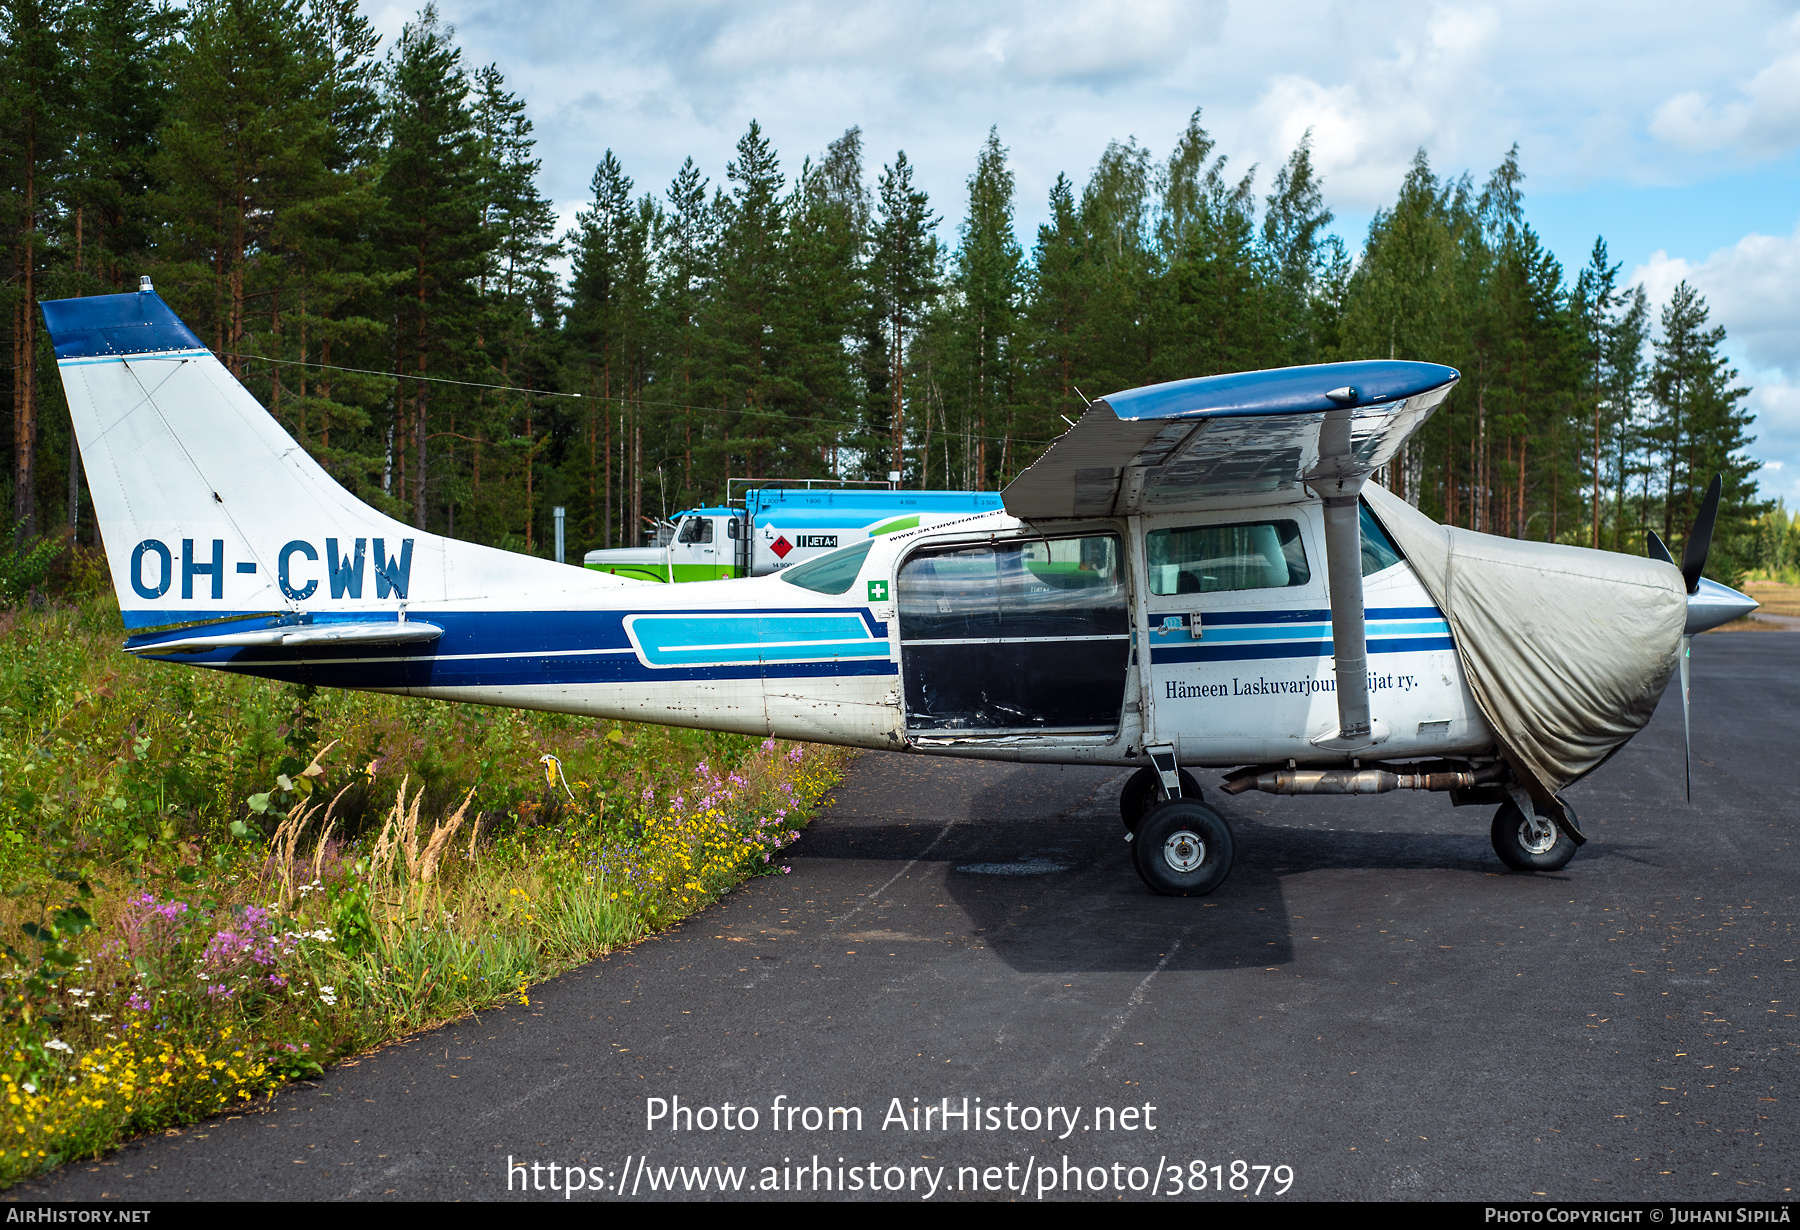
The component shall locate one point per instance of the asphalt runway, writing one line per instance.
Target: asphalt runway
(1371, 1000)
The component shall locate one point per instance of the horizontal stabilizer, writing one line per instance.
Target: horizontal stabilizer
(310, 636)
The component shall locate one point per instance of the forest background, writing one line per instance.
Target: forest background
(359, 233)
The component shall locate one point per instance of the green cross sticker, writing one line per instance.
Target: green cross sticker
(877, 591)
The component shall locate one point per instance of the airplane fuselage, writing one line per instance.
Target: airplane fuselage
(1066, 682)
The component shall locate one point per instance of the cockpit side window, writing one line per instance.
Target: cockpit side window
(696, 529)
(1204, 559)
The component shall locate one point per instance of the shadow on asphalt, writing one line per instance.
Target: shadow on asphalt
(1049, 890)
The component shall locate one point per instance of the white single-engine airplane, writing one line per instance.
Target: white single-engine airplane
(1196, 574)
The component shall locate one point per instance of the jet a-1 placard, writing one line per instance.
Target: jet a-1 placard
(1198, 574)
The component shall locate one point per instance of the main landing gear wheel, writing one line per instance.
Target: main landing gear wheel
(1144, 791)
(1182, 849)
(1534, 844)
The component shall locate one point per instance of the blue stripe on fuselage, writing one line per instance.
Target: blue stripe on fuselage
(1234, 636)
(537, 648)
(1221, 619)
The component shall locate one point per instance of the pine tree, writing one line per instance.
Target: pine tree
(35, 117)
(1624, 390)
(1406, 300)
(686, 243)
(1595, 297)
(826, 234)
(1210, 294)
(245, 147)
(1055, 313)
(120, 47)
(1703, 429)
(904, 277)
(1294, 219)
(744, 309)
(433, 234)
(984, 319)
(1116, 270)
(608, 322)
(517, 312)
(335, 314)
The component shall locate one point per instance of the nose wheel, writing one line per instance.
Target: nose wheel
(1182, 848)
(1530, 843)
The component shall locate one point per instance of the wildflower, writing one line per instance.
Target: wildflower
(328, 995)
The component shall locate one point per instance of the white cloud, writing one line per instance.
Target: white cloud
(1762, 121)
(1753, 290)
(1367, 127)
(1777, 406)
(1576, 85)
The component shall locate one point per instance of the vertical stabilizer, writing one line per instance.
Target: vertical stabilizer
(210, 511)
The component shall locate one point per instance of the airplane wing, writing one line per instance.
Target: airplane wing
(1165, 446)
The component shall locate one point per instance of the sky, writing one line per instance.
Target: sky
(1670, 129)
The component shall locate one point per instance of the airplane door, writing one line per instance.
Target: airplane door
(1014, 637)
(697, 549)
(1239, 630)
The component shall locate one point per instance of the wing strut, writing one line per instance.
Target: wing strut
(1339, 481)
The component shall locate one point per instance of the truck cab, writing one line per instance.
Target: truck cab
(703, 546)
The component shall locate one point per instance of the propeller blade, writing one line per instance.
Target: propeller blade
(1699, 539)
(1658, 549)
(1687, 726)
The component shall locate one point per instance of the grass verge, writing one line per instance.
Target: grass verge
(216, 885)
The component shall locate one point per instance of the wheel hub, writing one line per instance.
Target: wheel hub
(1184, 851)
(1537, 835)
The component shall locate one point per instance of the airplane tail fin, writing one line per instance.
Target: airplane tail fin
(211, 513)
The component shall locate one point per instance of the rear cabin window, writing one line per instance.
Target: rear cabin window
(1205, 559)
(830, 574)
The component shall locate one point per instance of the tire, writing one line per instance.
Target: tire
(1144, 791)
(1517, 849)
(1182, 849)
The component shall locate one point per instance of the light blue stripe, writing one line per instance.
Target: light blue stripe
(1318, 632)
(1287, 632)
(718, 640)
